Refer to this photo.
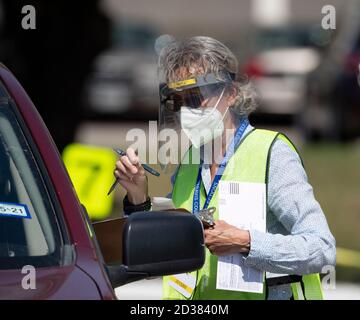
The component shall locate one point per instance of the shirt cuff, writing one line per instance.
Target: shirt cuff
(259, 253)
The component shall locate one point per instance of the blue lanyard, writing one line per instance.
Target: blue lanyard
(229, 153)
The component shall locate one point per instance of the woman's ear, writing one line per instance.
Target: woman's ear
(231, 95)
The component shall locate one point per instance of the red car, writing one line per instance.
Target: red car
(48, 247)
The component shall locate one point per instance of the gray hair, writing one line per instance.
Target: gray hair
(201, 55)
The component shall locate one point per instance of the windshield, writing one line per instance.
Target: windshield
(29, 233)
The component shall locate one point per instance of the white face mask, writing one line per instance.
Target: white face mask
(202, 125)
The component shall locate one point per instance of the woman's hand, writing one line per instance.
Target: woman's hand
(225, 239)
(132, 177)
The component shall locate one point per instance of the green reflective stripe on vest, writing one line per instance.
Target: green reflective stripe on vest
(313, 290)
(312, 285)
(297, 291)
(248, 164)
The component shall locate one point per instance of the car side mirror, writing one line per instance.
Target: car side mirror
(158, 243)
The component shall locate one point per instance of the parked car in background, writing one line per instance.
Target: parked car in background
(44, 228)
(333, 95)
(281, 59)
(124, 78)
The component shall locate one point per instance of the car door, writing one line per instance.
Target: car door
(46, 250)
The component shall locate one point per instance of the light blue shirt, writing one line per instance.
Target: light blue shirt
(298, 240)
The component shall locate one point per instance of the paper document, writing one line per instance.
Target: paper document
(244, 206)
(161, 203)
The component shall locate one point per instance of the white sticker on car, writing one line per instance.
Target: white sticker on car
(14, 210)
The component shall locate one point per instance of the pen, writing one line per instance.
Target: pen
(145, 166)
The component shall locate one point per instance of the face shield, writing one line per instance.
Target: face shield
(186, 106)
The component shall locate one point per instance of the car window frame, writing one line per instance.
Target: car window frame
(64, 251)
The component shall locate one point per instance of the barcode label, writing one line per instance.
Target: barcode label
(234, 188)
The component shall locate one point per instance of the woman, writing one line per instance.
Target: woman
(203, 93)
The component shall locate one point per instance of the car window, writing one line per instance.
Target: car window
(29, 231)
(292, 37)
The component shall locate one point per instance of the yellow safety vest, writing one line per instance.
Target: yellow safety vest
(248, 164)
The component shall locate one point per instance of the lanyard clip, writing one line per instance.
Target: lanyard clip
(206, 216)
